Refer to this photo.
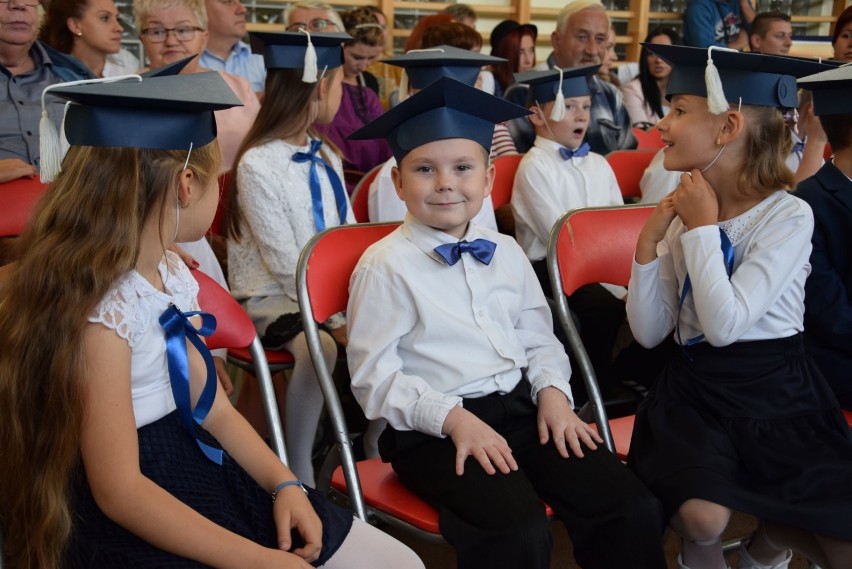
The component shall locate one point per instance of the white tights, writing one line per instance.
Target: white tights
(369, 548)
(304, 404)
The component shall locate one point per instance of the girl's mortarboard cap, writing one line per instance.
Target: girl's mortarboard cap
(751, 78)
(425, 66)
(299, 50)
(831, 90)
(445, 109)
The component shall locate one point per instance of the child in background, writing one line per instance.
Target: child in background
(288, 186)
(422, 67)
(467, 373)
(741, 419)
(122, 470)
(828, 290)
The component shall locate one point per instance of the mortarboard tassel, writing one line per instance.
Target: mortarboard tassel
(310, 72)
(403, 86)
(716, 101)
(557, 113)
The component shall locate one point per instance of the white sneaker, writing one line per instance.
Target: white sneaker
(747, 562)
(680, 564)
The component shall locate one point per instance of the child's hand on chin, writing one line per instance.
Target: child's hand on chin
(694, 201)
(473, 437)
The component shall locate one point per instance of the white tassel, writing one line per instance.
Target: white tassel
(309, 75)
(716, 101)
(557, 113)
(64, 145)
(403, 86)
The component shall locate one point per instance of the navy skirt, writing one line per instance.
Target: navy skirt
(225, 494)
(752, 426)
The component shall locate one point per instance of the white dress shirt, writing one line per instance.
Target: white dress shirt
(764, 297)
(423, 335)
(547, 185)
(383, 203)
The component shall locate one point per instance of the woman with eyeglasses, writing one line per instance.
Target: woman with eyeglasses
(90, 30)
(361, 103)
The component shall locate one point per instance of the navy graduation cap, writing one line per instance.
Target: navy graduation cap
(831, 90)
(752, 78)
(169, 112)
(425, 66)
(295, 50)
(545, 85)
(173, 68)
(445, 109)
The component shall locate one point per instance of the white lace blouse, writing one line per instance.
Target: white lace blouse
(133, 308)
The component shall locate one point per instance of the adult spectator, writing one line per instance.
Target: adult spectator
(841, 39)
(606, 71)
(717, 22)
(90, 31)
(314, 16)
(580, 37)
(27, 66)
(462, 13)
(771, 33)
(225, 51)
(515, 43)
(645, 96)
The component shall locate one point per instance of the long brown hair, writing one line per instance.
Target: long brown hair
(84, 235)
(54, 29)
(509, 48)
(284, 113)
(767, 148)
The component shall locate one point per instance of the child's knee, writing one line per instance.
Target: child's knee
(700, 520)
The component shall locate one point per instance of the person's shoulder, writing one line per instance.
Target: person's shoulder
(65, 66)
(783, 205)
(239, 85)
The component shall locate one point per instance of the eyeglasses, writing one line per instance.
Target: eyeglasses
(315, 25)
(159, 35)
(30, 3)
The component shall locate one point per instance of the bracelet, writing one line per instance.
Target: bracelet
(285, 484)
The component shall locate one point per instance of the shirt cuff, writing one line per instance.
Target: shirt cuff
(556, 382)
(431, 411)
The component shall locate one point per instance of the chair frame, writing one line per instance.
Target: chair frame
(361, 194)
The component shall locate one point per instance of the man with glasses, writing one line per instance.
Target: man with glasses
(580, 39)
(314, 16)
(27, 66)
(225, 51)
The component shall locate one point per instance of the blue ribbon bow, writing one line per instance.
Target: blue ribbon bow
(481, 249)
(178, 329)
(728, 255)
(799, 149)
(567, 153)
(314, 158)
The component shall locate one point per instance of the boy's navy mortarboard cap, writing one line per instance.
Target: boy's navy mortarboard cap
(165, 112)
(445, 109)
(831, 90)
(425, 66)
(544, 85)
(287, 50)
(755, 78)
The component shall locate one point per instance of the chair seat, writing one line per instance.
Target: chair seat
(275, 359)
(384, 492)
(622, 431)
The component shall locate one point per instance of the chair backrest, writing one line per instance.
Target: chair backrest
(629, 165)
(505, 167)
(218, 220)
(361, 195)
(234, 329)
(322, 283)
(592, 245)
(650, 139)
(18, 198)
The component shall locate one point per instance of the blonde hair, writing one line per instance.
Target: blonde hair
(314, 5)
(767, 147)
(145, 8)
(572, 8)
(84, 235)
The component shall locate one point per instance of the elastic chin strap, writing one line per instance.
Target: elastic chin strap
(177, 195)
(718, 154)
(544, 118)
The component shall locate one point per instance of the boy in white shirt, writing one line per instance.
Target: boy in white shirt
(466, 365)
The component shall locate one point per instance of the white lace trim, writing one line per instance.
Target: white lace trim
(739, 227)
(127, 307)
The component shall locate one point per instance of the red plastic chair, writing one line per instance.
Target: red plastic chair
(594, 245)
(629, 165)
(505, 167)
(234, 329)
(848, 415)
(325, 266)
(18, 198)
(650, 139)
(216, 226)
(361, 194)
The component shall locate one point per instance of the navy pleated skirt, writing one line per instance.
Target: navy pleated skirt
(225, 494)
(752, 426)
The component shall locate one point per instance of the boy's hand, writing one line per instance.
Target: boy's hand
(556, 416)
(473, 437)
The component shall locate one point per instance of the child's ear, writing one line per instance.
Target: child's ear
(322, 87)
(733, 126)
(397, 180)
(185, 189)
(490, 172)
(537, 116)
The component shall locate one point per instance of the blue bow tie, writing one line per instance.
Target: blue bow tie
(482, 249)
(313, 157)
(799, 148)
(579, 153)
